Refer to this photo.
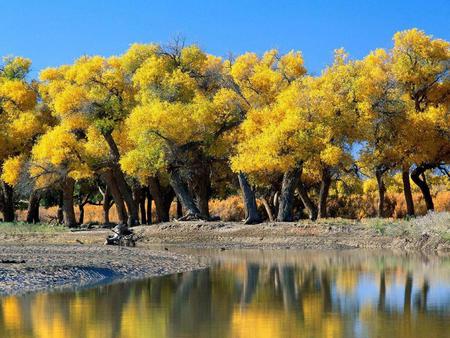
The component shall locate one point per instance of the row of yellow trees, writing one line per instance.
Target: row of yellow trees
(179, 122)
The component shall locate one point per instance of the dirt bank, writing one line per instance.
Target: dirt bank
(304, 235)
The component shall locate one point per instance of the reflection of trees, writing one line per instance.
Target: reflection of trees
(250, 283)
(422, 298)
(382, 293)
(235, 300)
(408, 292)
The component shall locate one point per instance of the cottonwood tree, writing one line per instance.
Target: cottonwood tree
(101, 90)
(383, 113)
(421, 67)
(258, 81)
(175, 122)
(299, 129)
(21, 122)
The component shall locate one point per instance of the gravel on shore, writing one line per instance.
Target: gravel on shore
(28, 268)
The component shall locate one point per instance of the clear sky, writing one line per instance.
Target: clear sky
(56, 32)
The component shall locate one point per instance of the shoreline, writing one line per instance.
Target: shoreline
(333, 234)
(39, 261)
(52, 267)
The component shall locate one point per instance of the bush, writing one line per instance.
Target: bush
(229, 209)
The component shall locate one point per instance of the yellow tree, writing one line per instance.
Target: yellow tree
(334, 99)
(421, 67)
(20, 123)
(308, 122)
(101, 90)
(383, 114)
(256, 82)
(58, 159)
(175, 122)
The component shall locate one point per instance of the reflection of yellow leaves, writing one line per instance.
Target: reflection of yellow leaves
(312, 308)
(346, 281)
(11, 312)
(254, 322)
(140, 320)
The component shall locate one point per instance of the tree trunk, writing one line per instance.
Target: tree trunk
(139, 196)
(179, 209)
(149, 206)
(201, 184)
(182, 192)
(407, 192)
(122, 184)
(81, 216)
(161, 197)
(142, 209)
(324, 191)
(308, 203)
(8, 210)
(248, 196)
(60, 212)
(68, 210)
(106, 205)
(267, 208)
(33, 207)
(290, 181)
(111, 183)
(381, 191)
(422, 184)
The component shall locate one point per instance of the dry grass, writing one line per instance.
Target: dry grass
(232, 209)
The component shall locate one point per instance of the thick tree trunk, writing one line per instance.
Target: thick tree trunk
(248, 196)
(407, 192)
(381, 191)
(290, 181)
(68, 208)
(182, 192)
(125, 191)
(418, 177)
(139, 195)
(33, 207)
(122, 184)
(110, 181)
(8, 209)
(201, 185)
(106, 205)
(162, 197)
(324, 191)
(143, 211)
(308, 203)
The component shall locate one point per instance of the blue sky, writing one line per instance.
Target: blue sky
(56, 32)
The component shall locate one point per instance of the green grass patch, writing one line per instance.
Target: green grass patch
(26, 228)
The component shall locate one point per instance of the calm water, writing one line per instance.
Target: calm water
(253, 294)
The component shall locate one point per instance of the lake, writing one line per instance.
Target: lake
(253, 293)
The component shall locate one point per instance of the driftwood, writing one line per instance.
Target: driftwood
(123, 236)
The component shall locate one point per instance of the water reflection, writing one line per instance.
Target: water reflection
(253, 294)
